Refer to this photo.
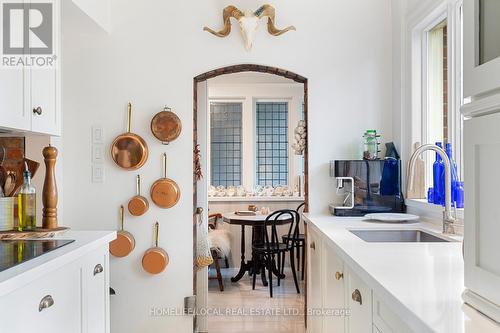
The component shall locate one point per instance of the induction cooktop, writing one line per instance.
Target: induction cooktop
(15, 252)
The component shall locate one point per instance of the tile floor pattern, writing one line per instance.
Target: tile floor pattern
(239, 299)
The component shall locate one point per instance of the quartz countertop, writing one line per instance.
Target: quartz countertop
(421, 282)
(84, 242)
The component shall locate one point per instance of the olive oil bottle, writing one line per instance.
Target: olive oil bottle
(27, 204)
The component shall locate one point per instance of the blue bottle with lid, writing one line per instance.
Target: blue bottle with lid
(438, 177)
(454, 174)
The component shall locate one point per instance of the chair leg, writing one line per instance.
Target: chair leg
(283, 263)
(227, 262)
(254, 277)
(270, 268)
(279, 265)
(217, 269)
(303, 260)
(292, 264)
(298, 255)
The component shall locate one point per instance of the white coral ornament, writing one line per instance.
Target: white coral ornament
(300, 138)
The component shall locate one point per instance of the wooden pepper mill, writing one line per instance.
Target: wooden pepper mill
(49, 194)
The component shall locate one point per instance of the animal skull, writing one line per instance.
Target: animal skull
(248, 22)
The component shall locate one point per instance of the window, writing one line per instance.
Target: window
(225, 143)
(436, 77)
(272, 143)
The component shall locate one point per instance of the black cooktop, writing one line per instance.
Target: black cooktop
(15, 252)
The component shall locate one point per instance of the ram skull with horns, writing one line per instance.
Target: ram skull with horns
(249, 22)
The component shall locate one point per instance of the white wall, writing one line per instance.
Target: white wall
(150, 57)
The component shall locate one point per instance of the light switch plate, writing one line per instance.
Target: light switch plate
(98, 154)
(97, 134)
(97, 174)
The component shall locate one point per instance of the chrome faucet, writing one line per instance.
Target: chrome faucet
(448, 219)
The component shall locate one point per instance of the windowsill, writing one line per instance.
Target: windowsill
(255, 199)
(430, 211)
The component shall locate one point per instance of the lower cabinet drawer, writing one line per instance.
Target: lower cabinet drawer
(386, 320)
(51, 304)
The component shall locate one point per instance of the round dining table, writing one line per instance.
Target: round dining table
(256, 222)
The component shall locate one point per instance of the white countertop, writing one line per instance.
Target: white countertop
(421, 282)
(85, 241)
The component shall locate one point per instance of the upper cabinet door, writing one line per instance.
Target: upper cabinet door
(13, 114)
(44, 86)
(481, 47)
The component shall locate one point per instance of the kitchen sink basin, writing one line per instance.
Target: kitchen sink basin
(397, 236)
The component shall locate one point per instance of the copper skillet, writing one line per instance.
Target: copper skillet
(138, 205)
(165, 192)
(155, 259)
(129, 150)
(124, 242)
(166, 126)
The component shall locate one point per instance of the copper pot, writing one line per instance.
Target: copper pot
(155, 259)
(138, 205)
(124, 242)
(129, 150)
(166, 126)
(165, 192)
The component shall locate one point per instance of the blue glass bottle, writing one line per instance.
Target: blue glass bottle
(454, 174)
(438, 177)
(459, 195)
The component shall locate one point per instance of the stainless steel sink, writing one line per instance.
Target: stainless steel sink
(397, 236)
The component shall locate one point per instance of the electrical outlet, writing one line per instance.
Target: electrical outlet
(98, 154)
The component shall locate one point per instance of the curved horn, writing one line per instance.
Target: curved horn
(227, 13)
(268, 10)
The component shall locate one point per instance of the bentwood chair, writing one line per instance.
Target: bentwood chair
(272, 251)
(300, 245)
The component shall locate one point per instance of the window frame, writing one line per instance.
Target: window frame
(450, 11)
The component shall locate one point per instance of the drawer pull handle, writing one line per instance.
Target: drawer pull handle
(339, 275)
(313, 246)
(45, 303)
(356, 297)
(98, 269)
(38, 110)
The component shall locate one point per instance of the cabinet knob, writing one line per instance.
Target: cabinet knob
(313, 246)
(45, 303)
(339, 275)
(356, 297)
(38, 110)
(98, 269)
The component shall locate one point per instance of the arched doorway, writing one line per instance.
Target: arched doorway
(199, 80)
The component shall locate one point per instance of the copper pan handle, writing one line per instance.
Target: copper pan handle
(157, 227)
(138, 185)
(129, 117)
(121, 217)
(164, 165)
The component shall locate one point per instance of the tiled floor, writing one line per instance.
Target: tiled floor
(253, 311)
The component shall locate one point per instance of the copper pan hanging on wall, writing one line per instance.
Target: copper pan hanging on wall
(165, 192)
(155, 259)
(124, 242)
(129, 150)
(166, 126)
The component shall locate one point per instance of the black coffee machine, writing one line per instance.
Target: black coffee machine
(368, 186)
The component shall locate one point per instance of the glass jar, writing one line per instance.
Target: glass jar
(370, 146)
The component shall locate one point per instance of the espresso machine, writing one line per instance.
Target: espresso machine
(367, 186)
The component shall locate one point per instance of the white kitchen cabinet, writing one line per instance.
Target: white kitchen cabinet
(30, 95)
(481, 48)
(359, 301)
(73, 298)
(23, 310)
(95, 288)
(314, 282)
(481, 245)
(385, 320)
(334, 290)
